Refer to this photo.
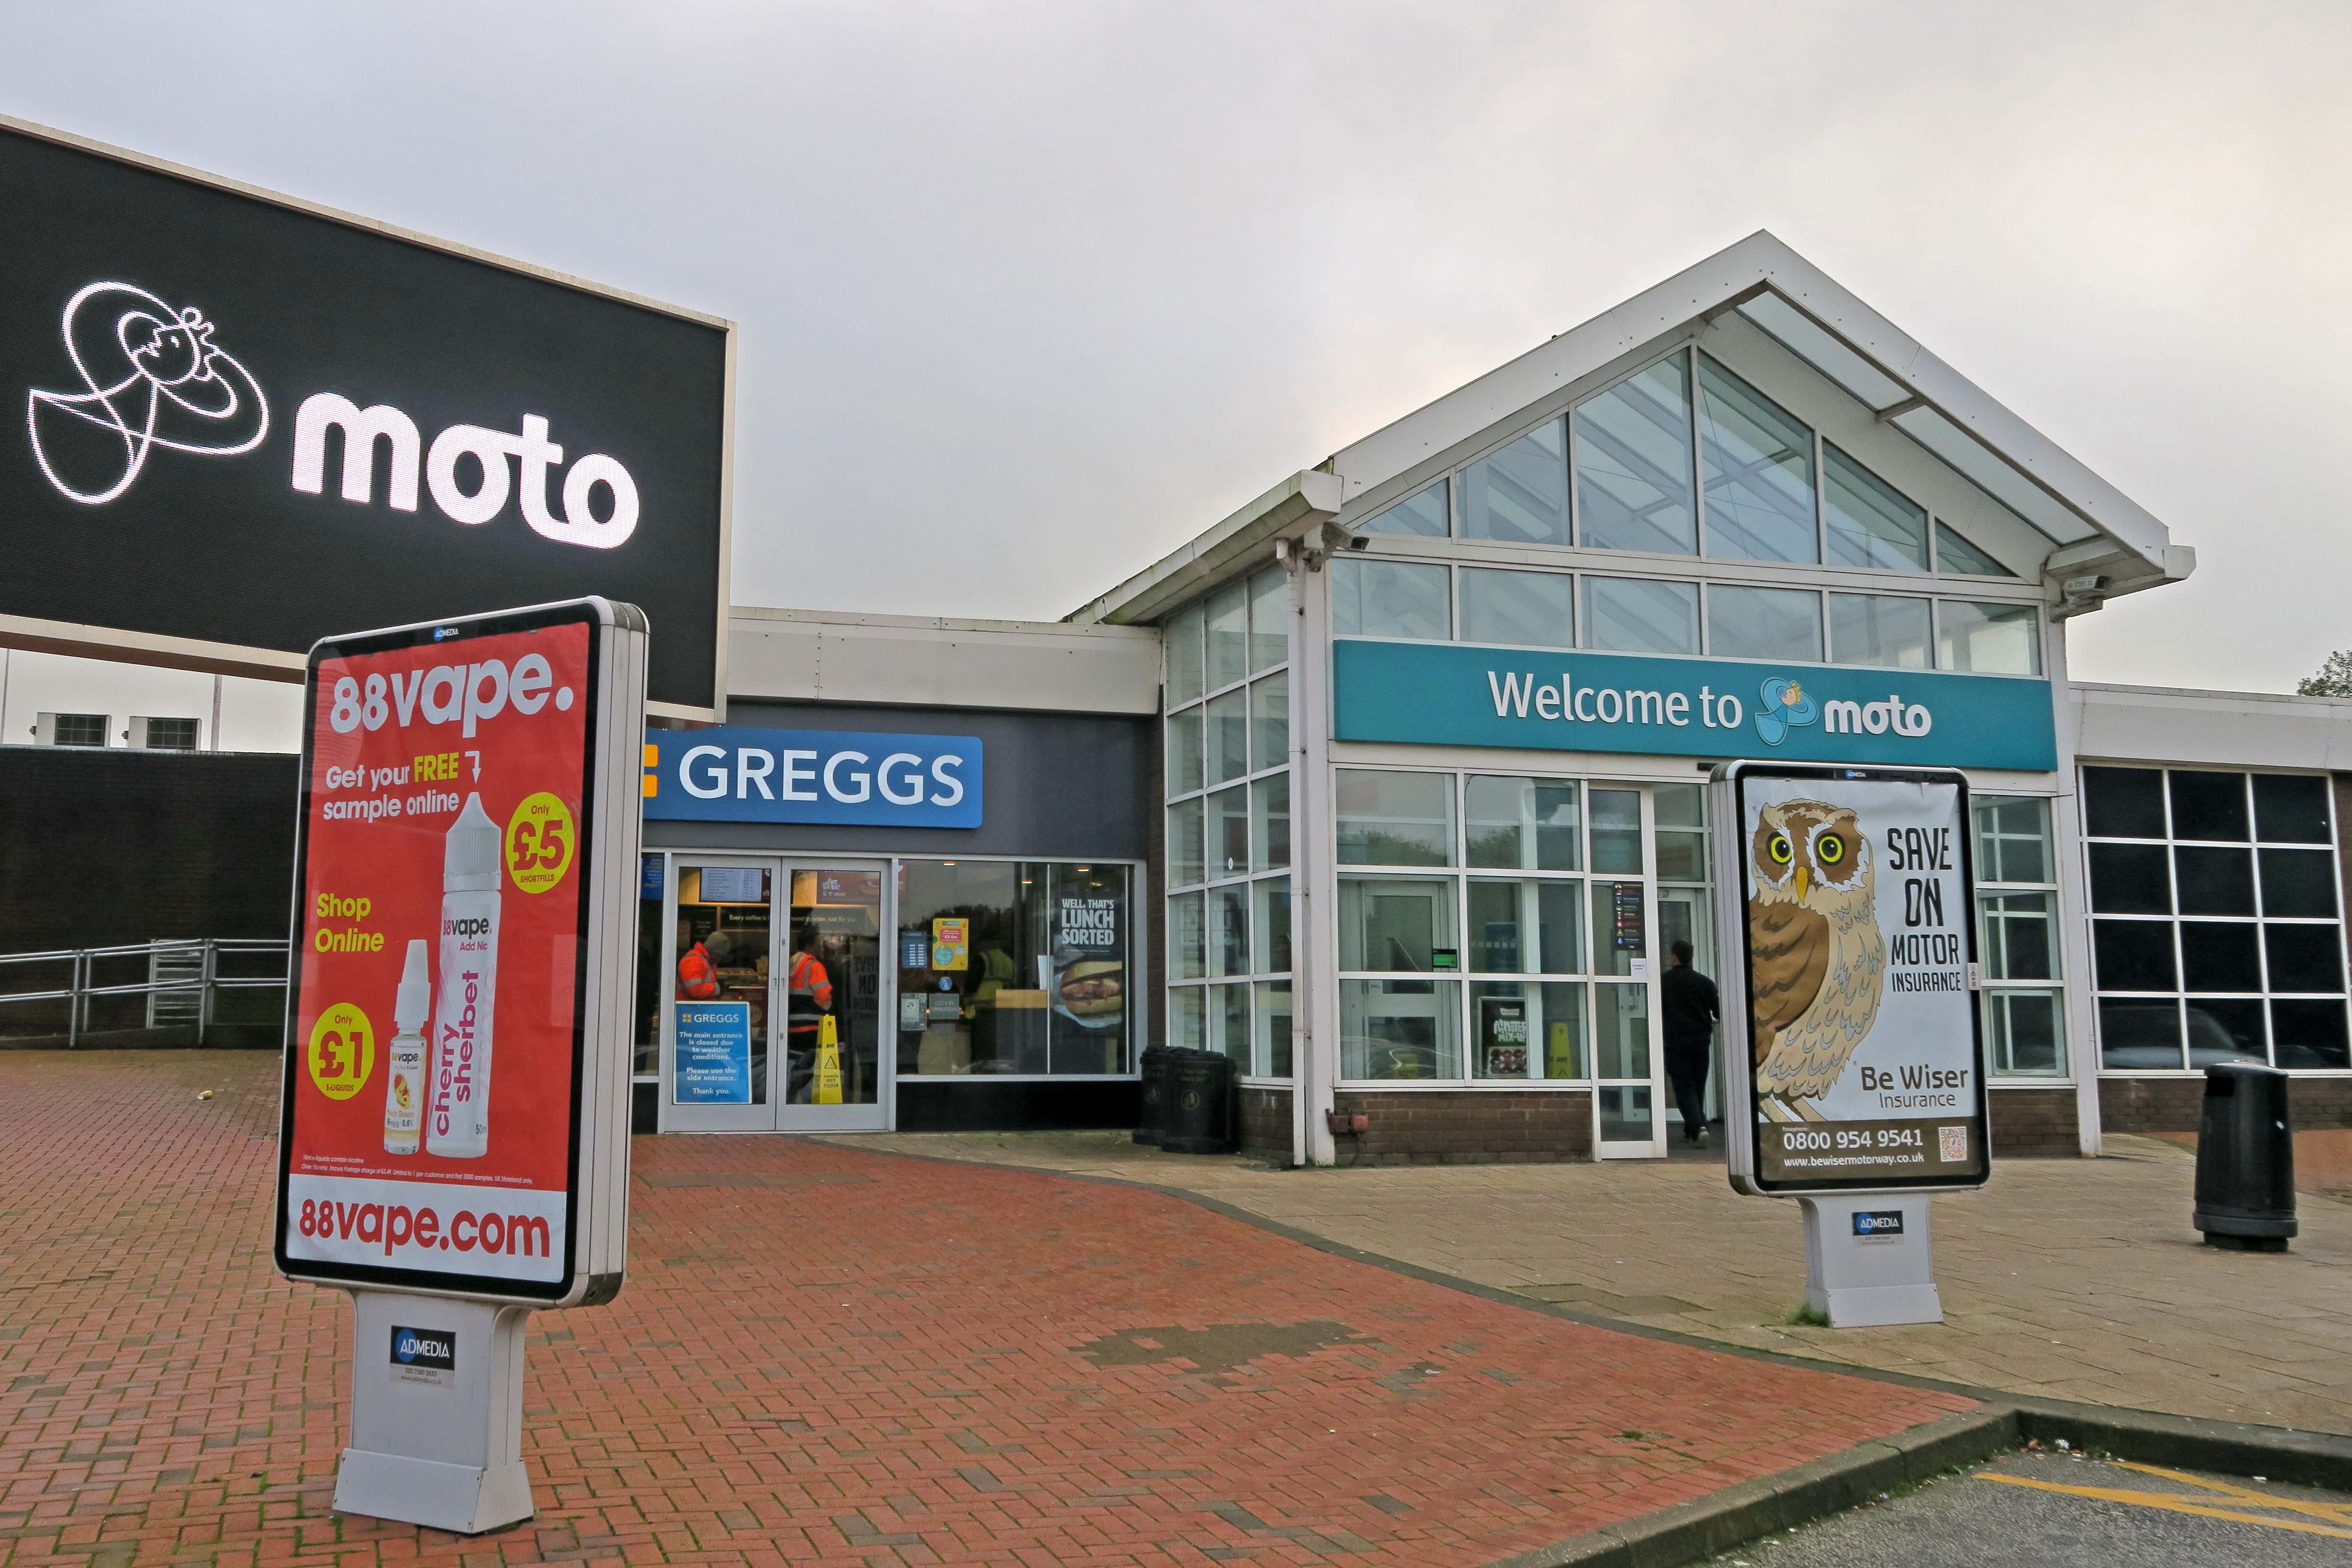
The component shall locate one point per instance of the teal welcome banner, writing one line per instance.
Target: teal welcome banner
(1445, 694)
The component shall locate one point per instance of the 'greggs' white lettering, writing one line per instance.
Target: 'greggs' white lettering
(365, 428)
(460, 694)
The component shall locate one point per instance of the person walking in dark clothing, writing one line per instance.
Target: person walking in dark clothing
(1691, 1008)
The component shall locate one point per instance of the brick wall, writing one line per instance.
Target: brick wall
(1466, 1127)
(1265, 1121)
(2177, 1104)
(2034, 1122)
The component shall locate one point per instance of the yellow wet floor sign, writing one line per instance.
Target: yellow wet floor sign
(828, 1061)
(2202, 1502)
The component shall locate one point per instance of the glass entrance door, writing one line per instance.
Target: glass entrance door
(1627, 1102)
(775, 996)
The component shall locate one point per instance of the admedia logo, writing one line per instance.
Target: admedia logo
(151, 376)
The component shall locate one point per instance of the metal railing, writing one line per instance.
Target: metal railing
(177, 969)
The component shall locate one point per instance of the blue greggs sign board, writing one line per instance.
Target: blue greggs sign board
(1445, 694)
(842, 776)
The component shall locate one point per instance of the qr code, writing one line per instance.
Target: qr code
(1955, 1142)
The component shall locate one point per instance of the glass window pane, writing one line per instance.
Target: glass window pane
(2021, 936)
(1270, 822)
(1500, 1031)
(1422, 514)
(1270, 619)
(2215, 955)
(1184, 730)
(1229, 929)
(1990, 639)
(1887, 629)
(2298, 882)
(1559, 928)
(1228, 633)
(1556, 1032)
(1524, 609)
(1274, 1047)
(2224, 1031)
(1520, 494)
(1392, 1029)
(1494, 946)
(1188, 944)
(1869, 521)
(1229, 1023)
(2012, 841)
(1679, 805)
(1394, 818)
(1184, 845)
(1271, 896)
(2309, 1035)
(1616, 830)
(1682, 856)
(1629, 614)
(1184, 656)
(1627, 1115)
(1400, 925)
(1956, 556)
(2123, 803)
(2138, 1035)
(1523, 824)
(2129, 879)
(1389, 599)
(2290, 808)
(1188, 1023)
(1270, 721)
(2133, 955)
(1633, 464)
(1228, 842)
(2214, 882)
(725, 914)
(1621, 1034)
(2021, 1033)
(1757, 462)
(1086, 927)
(2208, 806)
(2301, 958)
(1776, 623)
(1228, 735)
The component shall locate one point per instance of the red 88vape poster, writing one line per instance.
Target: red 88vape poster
(431, 1094)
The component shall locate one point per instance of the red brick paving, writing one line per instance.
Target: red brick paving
(827, 1356)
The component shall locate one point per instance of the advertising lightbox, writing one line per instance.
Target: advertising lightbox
(1853, 1057)
(456, 1096)
(246, 423)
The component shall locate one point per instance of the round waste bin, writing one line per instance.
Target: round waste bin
(1199, 1103)
(2245, 1159)
(1151, 1110)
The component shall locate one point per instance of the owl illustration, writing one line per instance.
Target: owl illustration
(1817, 952)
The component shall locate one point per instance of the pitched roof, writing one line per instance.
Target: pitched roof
(2093, 525)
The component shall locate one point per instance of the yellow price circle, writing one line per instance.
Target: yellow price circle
(342, 1051)
(540, 839)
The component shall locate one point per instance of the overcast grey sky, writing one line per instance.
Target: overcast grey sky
(1032, 292)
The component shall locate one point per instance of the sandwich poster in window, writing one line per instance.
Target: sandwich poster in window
(1850, 1033)
(431, 1074)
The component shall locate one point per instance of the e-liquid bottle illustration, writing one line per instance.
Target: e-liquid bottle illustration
(403, 1094)
(458, 1127)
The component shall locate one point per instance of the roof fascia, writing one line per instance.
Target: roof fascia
(1290, 509)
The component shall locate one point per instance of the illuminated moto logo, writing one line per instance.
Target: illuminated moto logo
(150, 377)
(364, 430)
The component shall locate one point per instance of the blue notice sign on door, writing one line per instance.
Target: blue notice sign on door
(714, 1054)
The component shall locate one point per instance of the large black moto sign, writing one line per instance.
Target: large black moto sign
(246, 424)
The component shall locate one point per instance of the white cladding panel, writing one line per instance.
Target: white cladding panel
(2225, 729)
(814, 656)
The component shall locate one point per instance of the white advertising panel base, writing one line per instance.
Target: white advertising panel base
(1867, 1262)
(434, 1444)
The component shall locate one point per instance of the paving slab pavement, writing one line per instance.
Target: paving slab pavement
(2076, 1280)
(831, 1355)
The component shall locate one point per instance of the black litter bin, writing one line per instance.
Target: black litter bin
(2245, 1159)
(1151, 1113)
(1200, 1098)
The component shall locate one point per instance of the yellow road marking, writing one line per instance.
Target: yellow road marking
(2333, 1512)
(2172, 1504)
